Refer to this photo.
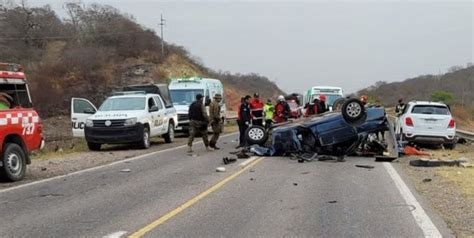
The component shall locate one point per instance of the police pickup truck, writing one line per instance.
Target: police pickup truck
(131, 116)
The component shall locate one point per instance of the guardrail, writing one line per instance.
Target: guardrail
(465, 134)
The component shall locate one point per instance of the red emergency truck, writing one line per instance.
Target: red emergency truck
(21, 130)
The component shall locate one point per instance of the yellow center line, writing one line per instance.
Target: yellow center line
(190, 202)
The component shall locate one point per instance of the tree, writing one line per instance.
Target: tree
(442, 96)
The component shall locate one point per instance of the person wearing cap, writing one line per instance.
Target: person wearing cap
(198, 122)
(268, 111)
(322, 104)
(5, 101)
(244, 118)
(216, 121)
(256, 105)
(364, 99)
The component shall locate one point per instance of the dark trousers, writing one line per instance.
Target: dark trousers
(268, 123)
(242, 129)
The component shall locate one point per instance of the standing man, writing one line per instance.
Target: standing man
(268, 110)
(322, 104)
(244, 119)
(282, 110)
(257, 110)
(216, 122)
(312, 109)
(198, 122)
(400, 107)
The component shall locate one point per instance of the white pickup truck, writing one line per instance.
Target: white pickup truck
(126, 117)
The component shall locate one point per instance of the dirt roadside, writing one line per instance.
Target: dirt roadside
(449, 190)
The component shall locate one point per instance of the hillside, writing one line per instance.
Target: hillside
(97, 49)
(454, 88)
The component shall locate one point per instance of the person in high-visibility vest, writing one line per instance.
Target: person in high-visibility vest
(268, 110)
(5, 101)
(256, 106)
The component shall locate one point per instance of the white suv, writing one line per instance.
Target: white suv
(427, 123)
(126, 117)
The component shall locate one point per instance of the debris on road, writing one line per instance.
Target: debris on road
(385, 158)
(334, 201)
(436, 163)
(126, 170)
(220, 169)
(296, 184)
(426, 180)
(365, 166)
(228, 160)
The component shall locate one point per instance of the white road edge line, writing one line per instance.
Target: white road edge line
(102, 166)
(421, 218)
(117, 234)
(248, 161)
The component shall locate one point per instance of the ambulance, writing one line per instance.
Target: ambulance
(183, 93)
(21, 130)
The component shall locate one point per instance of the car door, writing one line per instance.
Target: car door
(156, 117)
(163, 117)
(81, 109)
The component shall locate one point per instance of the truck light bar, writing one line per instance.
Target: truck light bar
(190, 79)
(12, 75)
(128, 93)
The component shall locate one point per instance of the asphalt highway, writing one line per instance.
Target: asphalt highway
(173, 194)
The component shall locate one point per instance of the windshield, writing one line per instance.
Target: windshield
(330, 98)
(123, 104)
(185, 96)
(429, 109)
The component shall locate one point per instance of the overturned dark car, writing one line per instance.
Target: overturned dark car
(336, 133)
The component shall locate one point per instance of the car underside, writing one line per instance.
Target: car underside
(353, 129)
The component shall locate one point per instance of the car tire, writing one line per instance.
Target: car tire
(145, 141)
(94, 146)
(353, 110)
(337, 105)
(169, 137)
(14, 162)
(449, 146)
(256, 135)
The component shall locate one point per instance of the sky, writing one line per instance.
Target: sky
(299, 44)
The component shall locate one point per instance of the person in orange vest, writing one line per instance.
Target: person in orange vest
(282, 110)
(256, 106)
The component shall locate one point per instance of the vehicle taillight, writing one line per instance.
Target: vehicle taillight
(408, 121)
(452, 123)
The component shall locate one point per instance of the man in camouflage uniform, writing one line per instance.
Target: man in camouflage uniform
(198, 122)
(216, 121)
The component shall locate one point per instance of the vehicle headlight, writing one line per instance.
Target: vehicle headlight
(130, 122)
(89, 123)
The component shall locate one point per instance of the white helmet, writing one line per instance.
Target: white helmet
(281, 98)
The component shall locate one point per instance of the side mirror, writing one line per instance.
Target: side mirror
(153, 109)
(89, 111)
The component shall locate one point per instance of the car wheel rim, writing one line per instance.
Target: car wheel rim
(14, 165)
(256, 134)
(146, 139)
(353, 109)
(171, 131)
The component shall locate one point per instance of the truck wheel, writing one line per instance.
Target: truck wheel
(169, 137)
(256, 135)
(93, 146)
(337, 105)
(353, 110)
(14, 162)
(145, 142)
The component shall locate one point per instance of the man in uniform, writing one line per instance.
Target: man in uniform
(244, 120)
(198, 122)
(216, 122)
(257, 110)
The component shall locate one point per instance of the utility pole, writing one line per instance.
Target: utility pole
(162, 24)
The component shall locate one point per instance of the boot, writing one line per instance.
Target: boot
(190, 149)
